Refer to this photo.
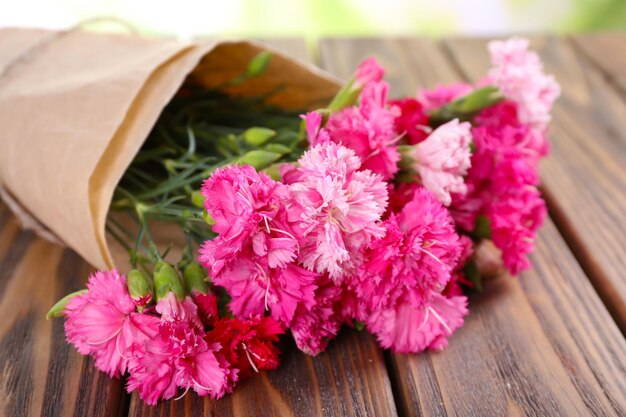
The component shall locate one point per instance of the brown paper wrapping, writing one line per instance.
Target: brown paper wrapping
(75, 108)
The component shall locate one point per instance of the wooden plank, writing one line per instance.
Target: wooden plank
(40, 374)
(542, 344)
(585, 178)
(608, 51)
(350, 379)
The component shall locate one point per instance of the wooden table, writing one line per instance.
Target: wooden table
(545, 344)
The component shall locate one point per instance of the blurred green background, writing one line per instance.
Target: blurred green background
(316, 18)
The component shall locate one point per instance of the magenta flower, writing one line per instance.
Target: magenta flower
(405, 328)
(254, 289)
(341, 208)
(368, 130)
(312, 328)
(173, 310)
(501, 184)
(415, 258)
(514, 218)
(244, 203)
(369, 71)
(442, 160)
(103, 322)
(314, 130)
(178, 357)
(518, 73)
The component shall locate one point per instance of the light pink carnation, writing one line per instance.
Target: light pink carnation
(442, 160)
(104, 324)
(341, 208)
(518, 73)
(405, 328)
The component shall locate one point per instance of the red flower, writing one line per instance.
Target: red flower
(412, 120)
(248, 344)
(207, 306)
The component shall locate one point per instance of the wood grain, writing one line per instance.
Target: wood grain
(608, 52)
(350, 379)
(542, 344)
(40, 374)
(585, 177)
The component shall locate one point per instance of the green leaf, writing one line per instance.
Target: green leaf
(259, 158)
(477, 100)
(346, 97)
(278, 148)
(197, 199)
(483, 227)
(258, 65)
(257, 136)
(466, 107)
(472, 274)
(58, 309)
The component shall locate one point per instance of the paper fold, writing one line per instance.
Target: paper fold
(75, 108)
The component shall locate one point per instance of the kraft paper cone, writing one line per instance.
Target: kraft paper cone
(76, 107)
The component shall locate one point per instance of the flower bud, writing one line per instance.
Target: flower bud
(166, 280)
(259, 158)
(194, 278)
(197, 199)
(139, 288)
(58, 309)
(257, 136)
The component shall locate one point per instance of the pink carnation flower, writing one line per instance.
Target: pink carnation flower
(341, 208)
(103, 322)
(400, 286)
(173, 310)
(442, 94)
(442, 160)
(368, 130)
(178, 357)
(314, 130)
(518, 73)
(405, 328)
(369, 71)
(254, 256)
(514, 219)
(313, 328)
(414, 259)
(501, 184)
(255, 289)
(411, 120)
(246, 205)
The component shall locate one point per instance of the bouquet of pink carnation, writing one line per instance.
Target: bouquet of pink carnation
(369, 213)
